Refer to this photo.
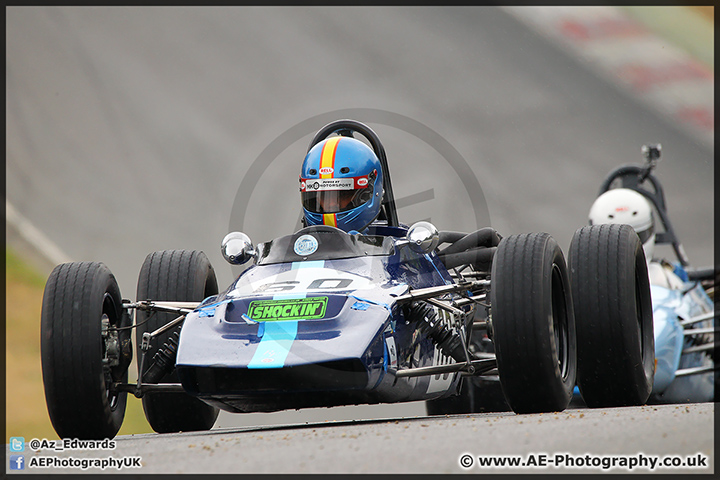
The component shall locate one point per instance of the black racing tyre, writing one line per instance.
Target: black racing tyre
(173, 275)
(614, 319)
(81, 303)
(533, 324)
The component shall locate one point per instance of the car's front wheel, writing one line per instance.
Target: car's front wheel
(85, 349)
(533, 324)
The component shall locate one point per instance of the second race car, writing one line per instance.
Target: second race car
(682, 296)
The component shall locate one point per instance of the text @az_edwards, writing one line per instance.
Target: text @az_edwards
(70, 444)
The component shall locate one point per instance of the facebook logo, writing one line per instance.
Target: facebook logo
(17, 462)
(17, 444)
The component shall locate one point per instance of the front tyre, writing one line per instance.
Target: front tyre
(533, 323)
(613, 310)
(81, 351)
(173, 275)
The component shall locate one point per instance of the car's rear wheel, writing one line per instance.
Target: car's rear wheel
(82, 351)
(613, 311)
(173, 275)
(533, 324)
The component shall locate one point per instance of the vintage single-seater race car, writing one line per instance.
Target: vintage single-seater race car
(683, 310)
(323, 317)
(682, 300)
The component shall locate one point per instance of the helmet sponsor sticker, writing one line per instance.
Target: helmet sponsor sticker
(327, 184)
(305, 245)
(312, 308)
(327, 171)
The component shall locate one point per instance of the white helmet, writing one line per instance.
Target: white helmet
(622, 205)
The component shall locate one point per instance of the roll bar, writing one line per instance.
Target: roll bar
(346, 127)
(634, 177)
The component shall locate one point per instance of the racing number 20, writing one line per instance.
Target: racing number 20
(320, 283)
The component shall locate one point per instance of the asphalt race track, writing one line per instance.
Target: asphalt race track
(573, 441)
(131, 130)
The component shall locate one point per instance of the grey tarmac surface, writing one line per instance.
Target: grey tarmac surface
(129, 130)
(573, 441)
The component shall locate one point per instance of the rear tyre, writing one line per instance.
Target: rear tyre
(173, 275)
(533, 324)
(81, 305)
(613, 311)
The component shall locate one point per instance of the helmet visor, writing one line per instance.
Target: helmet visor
(334, 201)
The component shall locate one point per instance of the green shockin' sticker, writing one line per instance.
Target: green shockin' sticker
(290, 309)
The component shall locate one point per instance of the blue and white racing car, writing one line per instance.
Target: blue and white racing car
(683, 311)
(322, 317)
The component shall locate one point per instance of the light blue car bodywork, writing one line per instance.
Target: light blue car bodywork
(670, 307)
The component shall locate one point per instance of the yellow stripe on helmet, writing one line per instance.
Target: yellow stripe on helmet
(329, 219)
(327, 159)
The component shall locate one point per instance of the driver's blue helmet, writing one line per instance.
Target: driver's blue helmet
(341, 184)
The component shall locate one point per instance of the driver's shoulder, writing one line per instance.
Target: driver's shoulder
(661, 273)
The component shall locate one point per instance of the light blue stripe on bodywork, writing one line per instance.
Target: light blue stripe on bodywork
(277, 337)
(275, 345)
(311, 264)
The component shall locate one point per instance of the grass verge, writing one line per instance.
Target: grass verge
(26, 413)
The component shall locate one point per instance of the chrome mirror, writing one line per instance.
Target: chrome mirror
(237, 248)
(423, 237)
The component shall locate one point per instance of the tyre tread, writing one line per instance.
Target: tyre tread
(520, 296)
(603, 262)
(71, 351)
(174, 275)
